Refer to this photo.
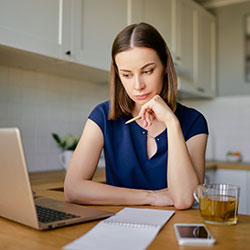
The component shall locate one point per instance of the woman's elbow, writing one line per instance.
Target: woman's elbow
(69, 195)
(70, 191)
(182, 204)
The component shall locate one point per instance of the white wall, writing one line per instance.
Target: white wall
(40, 104)
(229, 125)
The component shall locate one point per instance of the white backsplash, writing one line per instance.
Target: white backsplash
(229, 125)
(40, 104)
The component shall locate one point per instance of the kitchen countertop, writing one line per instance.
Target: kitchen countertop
(213, 165)
(53, 181)
(41, 180)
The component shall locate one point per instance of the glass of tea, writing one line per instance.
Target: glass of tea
(218, 203)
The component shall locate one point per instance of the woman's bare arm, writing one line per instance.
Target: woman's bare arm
(186, 160)
(79, 188)
(186, 165)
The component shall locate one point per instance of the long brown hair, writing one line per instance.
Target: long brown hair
(140, 35)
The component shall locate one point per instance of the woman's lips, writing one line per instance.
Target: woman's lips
(142, 97)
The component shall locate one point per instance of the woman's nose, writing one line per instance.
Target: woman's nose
(139, 83)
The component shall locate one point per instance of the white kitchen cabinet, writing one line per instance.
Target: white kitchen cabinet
(189, 32)
(95, 26)
(34, 26)
(81, 33)
(186, 36)
(78, 31)
(160, 14)
(239, 178)
(196, 35)
(205, 75)
(174, 19)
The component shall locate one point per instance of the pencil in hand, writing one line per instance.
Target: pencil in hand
(133, 119)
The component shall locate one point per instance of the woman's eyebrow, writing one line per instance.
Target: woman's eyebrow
(148, 64)
(143, 67)
(125, 70)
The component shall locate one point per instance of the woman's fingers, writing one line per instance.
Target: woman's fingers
(156, 108)
(145, 116)
(148, 118)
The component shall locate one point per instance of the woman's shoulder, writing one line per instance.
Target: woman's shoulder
(103, 110)
(183, 112)
(100, 114)
(100, 109)
(192, 121)
(103, 106)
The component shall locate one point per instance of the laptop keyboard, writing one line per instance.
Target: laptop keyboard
(46, 215)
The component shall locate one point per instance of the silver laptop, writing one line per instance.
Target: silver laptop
(16, 199)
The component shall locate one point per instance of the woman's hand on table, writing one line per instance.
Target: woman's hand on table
(161, 198)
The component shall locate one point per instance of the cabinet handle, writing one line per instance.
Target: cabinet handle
(200, 89)
(68, 53)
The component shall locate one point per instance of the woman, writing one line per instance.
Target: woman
(159, 158)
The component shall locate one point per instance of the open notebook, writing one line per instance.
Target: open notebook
(131, 228)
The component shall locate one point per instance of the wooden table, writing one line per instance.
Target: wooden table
(16, 236)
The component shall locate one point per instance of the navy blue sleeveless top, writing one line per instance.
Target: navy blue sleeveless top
(125, 148)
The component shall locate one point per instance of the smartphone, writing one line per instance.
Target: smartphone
(193, 234)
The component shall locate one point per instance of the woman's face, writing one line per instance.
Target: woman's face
(141, 73)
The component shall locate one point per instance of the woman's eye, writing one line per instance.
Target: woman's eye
(149, 71)
(126, 75)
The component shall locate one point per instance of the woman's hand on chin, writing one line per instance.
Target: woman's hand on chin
(156, 108)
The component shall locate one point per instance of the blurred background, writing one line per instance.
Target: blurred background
(55, 57)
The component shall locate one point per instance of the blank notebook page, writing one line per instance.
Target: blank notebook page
(131, 228)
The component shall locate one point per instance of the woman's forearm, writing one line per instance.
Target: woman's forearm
(182, 177)
(90, 192)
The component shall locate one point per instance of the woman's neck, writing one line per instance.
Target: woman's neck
(136, 110)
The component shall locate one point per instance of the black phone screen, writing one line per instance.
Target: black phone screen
(199, 232)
